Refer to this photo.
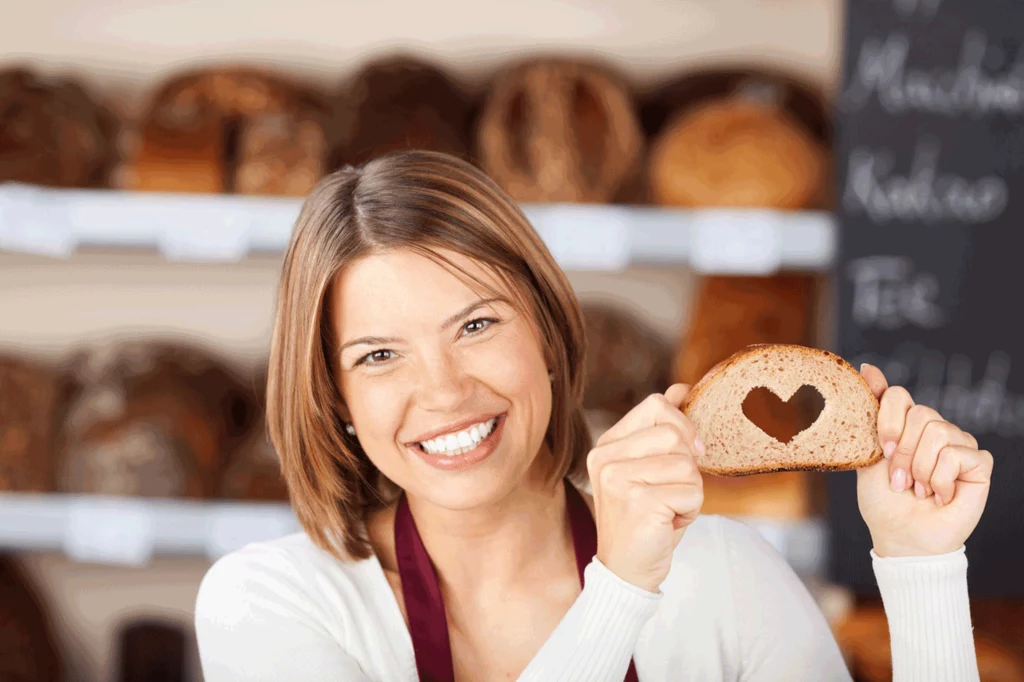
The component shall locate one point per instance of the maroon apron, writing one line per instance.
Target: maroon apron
(424, 605)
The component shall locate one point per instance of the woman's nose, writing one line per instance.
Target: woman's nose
(443, 385)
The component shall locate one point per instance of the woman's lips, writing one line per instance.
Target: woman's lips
(482, 451)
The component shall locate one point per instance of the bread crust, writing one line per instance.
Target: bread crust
(702, 385)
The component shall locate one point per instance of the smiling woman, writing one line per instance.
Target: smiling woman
(438, 308)
(425, 398)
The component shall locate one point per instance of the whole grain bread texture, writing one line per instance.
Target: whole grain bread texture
(843, 437)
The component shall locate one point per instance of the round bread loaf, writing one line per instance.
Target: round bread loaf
(739, 153)
(559, 131)
(401, 103)
(804, 101)
(230, 130)
(28, 646)
(28, 400)
(53, 133)
(149, 419)
(625, 361)
(843, 436)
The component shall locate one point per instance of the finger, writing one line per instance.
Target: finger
(677, 393)
(935, 435)
(875, 379)
(960, 466)
(653, 440)
(631, 476)
(678, 504)
(921, 464)
(892, 418)
(653, 410)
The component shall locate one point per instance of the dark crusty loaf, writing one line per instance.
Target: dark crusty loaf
(28, 404)
(843, 437)
(53, 132)
(558, 130)
(401, 102)
(149, 417)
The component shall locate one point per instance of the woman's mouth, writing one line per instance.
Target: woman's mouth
(462, 449)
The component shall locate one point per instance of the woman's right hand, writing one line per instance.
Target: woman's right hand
(647, 488)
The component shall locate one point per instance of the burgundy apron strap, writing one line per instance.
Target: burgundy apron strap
(423, 603)
(584, 540)
(424, 606)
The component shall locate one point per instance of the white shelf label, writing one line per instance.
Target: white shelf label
(30, 224)
(582, 237)
(233, 528)
(109, 530)
(736, 241)
(224, 240)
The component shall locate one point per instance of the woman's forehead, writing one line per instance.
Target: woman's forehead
(406, 282)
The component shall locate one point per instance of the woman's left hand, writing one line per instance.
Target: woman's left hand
(928, 493)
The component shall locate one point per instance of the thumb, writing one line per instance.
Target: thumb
(677, 393)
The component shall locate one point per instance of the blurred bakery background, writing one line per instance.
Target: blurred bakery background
(679, 158)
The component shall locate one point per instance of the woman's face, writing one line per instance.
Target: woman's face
(447, 387)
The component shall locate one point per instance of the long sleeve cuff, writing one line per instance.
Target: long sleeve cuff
(595, 640)
(929, 614)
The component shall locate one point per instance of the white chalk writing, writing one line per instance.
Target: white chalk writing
(966, 89)
(888, 294)
(947, 384)
(925, 194)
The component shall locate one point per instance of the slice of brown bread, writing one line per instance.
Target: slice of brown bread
(843, 437)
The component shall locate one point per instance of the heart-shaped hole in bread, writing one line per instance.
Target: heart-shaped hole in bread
(783, 420)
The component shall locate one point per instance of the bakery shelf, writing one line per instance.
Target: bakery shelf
(225, 228)
(130, 531)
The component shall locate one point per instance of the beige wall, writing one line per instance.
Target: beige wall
(131, 43)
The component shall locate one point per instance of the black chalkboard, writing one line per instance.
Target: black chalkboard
(930, 172)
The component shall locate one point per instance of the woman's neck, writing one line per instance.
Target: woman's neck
(499, 545)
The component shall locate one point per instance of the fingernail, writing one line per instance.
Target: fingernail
(938, 500)
(863, 365)
(919, 490)
(889, 448)
(699, 445)
(899, 479)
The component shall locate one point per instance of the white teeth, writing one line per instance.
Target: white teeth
(458, 443)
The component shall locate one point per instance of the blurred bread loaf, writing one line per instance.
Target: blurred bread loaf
(240, 130)
(625, 361)
(28, 403)
(559, 131)
(398, 103)
(253, 470)
(53, 132)
(149, 418)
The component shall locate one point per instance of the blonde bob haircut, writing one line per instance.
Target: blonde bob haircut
(428, 203)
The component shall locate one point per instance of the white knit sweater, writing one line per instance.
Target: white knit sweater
(730, 609)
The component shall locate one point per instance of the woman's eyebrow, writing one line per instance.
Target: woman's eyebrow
(468, 309)
(369, 341)
(383, 340)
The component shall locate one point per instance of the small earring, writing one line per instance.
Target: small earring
(551, 376)
(351, 430)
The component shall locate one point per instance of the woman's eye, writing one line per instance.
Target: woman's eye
(376, 357)
(478, 325)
